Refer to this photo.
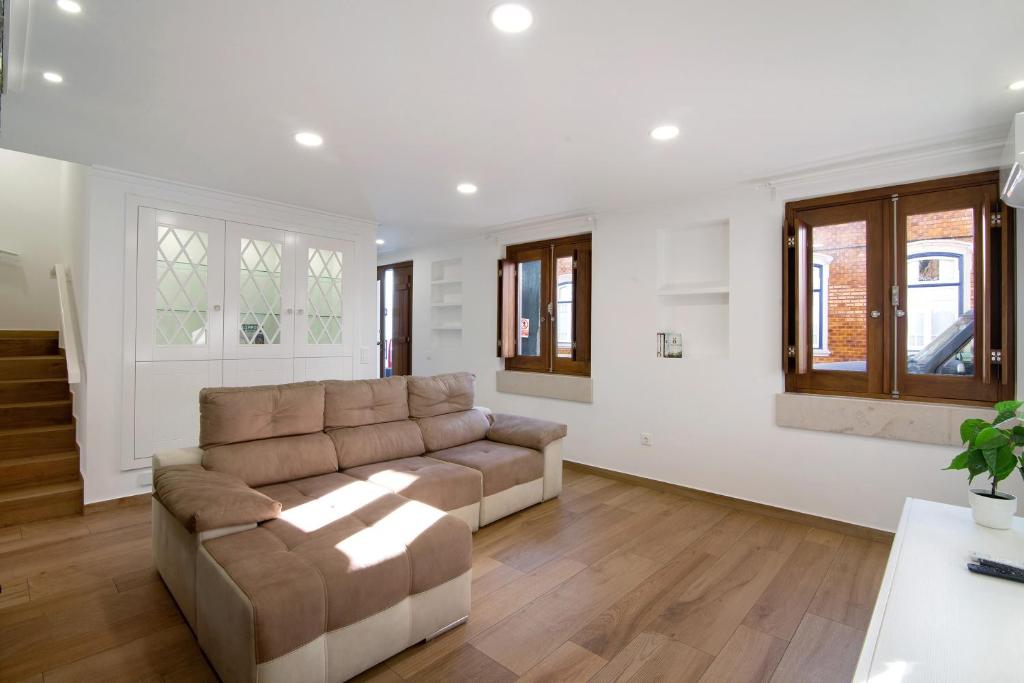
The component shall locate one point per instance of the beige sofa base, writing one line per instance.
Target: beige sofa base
(504, 503)
(470, 514)
(225, 631)
(553, 469)
(174, 553)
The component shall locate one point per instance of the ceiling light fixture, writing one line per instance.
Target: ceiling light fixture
(1017, 85)
(466, 188)
(666, 132)
(308, 139)
(379, 242)
(69, 6)
(511, 18)
(53, 77)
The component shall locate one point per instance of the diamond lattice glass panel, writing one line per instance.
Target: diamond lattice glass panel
(181, 273)
(324, 288)
(259, 293)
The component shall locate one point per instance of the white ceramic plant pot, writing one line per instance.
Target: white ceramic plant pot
(995, 513)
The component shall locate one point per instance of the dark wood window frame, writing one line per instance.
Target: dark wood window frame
(885, 211)
(548, 252)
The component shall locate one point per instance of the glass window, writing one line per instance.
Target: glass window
(181, 287)
(841, 297)
(323, 289)
(259, 292)
(529, 308)
(563, 300)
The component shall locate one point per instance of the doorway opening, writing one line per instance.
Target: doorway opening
(394, 335)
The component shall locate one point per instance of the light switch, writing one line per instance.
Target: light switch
(364, 354)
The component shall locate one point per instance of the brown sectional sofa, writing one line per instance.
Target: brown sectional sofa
(321, 527)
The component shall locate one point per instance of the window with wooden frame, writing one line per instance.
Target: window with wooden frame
(544, 306)
(902, 292)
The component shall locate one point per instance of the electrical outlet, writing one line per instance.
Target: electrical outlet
(364, 354)
(646, 439)
(145, 478)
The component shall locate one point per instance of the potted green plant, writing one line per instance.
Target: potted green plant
(993, 449)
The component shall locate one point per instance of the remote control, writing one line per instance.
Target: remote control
(1004, 568)
(979, 557)
(992, 571)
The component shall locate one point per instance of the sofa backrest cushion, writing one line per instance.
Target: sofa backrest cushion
(271, 461)
(441, 394)
(236, 414)
(376, 443)
(453, 429)
(355, 403)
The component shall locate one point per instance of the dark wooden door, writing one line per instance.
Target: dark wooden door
(396, 349)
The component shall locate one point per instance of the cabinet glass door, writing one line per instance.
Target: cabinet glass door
(324, 295)
(259, 318)
(180, 272)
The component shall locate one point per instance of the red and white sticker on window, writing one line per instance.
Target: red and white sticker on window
(524, 327)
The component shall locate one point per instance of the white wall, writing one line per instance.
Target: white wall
(102, 428)
(712, 420)
(41, 214)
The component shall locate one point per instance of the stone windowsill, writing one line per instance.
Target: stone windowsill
(546, 385)
(931, 423)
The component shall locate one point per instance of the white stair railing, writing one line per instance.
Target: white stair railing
(68, 323)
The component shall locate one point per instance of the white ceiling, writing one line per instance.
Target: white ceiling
(413, 96)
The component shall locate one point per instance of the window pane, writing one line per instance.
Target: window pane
(259, 293)
(389, 301)
(564, 287)
(839, 297)
(529, 308)
(323, 288)
(940, 293)
(181, 273)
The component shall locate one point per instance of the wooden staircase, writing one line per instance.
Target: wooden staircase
(39, 469)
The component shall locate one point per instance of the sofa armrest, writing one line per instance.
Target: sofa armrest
(203, 500)
(178, 456)
(527, 432)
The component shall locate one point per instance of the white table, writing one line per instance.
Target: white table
(936, 621)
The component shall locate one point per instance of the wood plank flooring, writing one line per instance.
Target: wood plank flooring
(609, 582)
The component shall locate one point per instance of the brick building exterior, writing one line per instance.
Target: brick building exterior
(841, 252)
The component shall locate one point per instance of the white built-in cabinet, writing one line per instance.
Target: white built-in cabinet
(221, 303)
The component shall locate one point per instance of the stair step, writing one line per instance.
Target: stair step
(21, 443)
(40, 501)
(21, 390)
(28, 346)
(35, 414)
(33, 367)
(28, 334)
(49, 468)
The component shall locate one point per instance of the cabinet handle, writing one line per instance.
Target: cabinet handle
(300, 311)
(216, 307)
(288, 311)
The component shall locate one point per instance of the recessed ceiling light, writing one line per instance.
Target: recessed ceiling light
(511, 18)
(466, 188)
(1017, 85)
(308, 139)
(667, 132)
(380, 242)
(53, 77)
(69, 6)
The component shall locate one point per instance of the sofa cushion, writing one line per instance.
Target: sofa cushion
(351, 550)
(202, 499)
(527, 432)
(502, 466)
(272, 460)
(364, 402)
(453, 429)
(444, 485)
(376, 443)
(236, 414)
(440, 394)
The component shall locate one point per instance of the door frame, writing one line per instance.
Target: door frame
(380, 311)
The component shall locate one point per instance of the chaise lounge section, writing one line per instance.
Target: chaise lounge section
(322, 527)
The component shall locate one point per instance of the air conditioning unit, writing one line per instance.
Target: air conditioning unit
(1011, 171)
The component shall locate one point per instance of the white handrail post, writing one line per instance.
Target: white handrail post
(68, 339)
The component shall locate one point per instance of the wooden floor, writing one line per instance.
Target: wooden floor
(610, 582)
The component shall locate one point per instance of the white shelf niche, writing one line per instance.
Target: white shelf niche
(693, 287)
(446, 303)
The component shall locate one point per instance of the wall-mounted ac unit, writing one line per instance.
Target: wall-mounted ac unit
(1011, 171)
